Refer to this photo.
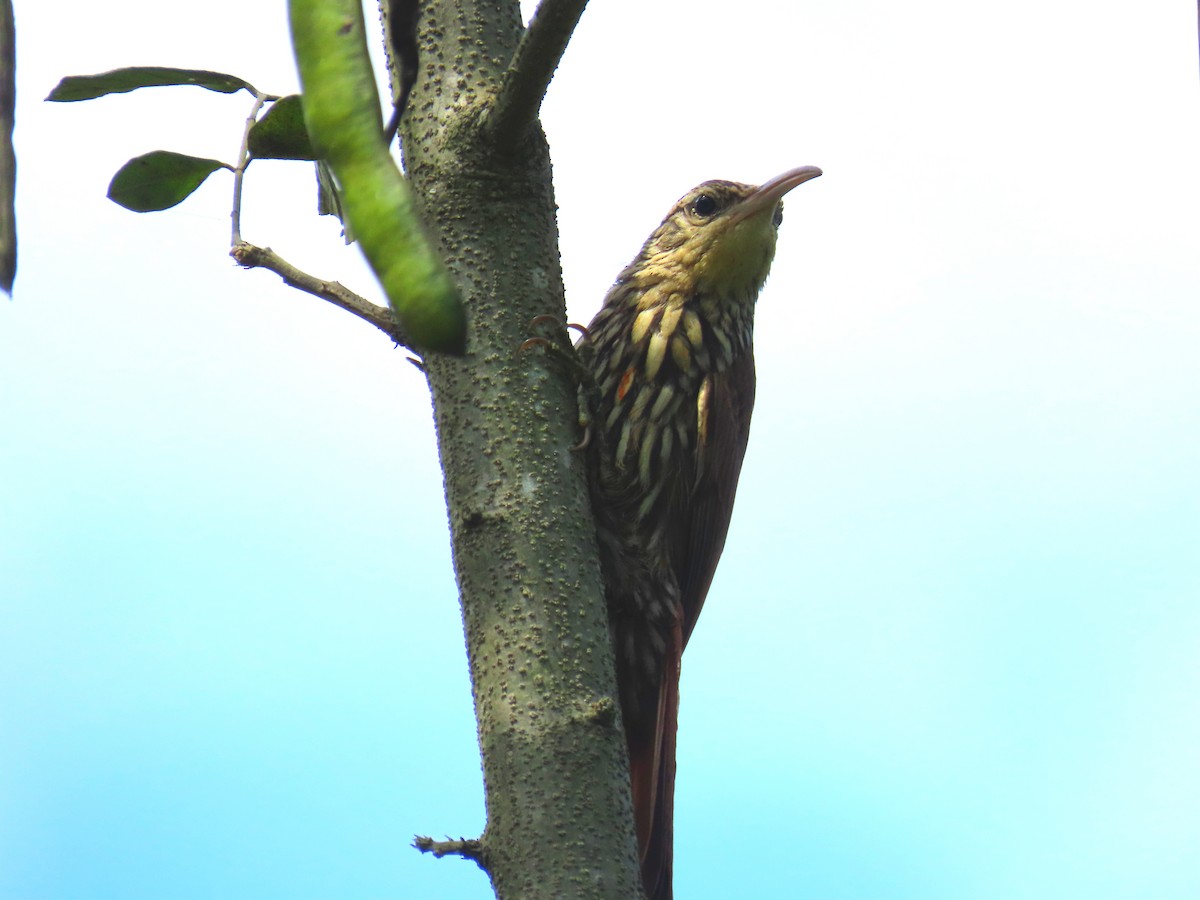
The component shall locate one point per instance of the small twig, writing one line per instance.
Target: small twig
(532, 67)
(239, 171)
(252, 257)
(467, 848)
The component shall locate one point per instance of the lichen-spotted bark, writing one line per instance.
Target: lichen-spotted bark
(559, 818)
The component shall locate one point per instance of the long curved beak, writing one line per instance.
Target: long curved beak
(767, 194)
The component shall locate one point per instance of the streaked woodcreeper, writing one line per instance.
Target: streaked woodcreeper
(671, 357)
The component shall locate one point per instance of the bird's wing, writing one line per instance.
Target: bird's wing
(704, 507)
(723, 429)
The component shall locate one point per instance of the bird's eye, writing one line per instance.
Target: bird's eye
(704, 206)
(778, 219)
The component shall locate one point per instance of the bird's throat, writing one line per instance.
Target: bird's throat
(736, 264)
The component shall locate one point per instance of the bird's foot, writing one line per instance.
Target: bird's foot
(573, 360)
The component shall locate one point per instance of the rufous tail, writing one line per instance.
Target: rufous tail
(652, 773)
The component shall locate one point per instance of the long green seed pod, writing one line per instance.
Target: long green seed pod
(342, 115)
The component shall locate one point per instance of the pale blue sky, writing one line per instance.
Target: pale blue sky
(953, 650)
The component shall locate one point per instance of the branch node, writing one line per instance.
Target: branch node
(602, 712)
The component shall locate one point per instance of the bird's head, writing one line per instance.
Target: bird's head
(721, 235)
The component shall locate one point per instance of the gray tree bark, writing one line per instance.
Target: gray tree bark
(559, 819)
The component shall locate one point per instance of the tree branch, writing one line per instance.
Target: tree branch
(252, 257)
(525, 551)
(467, 848)
(533, 64)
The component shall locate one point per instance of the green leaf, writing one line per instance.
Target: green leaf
(119, 81)
(341, 110)
(159, 180)
(280, 133)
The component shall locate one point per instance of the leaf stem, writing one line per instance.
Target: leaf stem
(239, 171)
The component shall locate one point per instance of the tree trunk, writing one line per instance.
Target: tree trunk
(559, 820)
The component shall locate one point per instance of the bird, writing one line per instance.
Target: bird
(671, 360)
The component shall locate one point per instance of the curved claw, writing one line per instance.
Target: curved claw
(584, 441)
(535, 342)
(547, 319)
(566, 355)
